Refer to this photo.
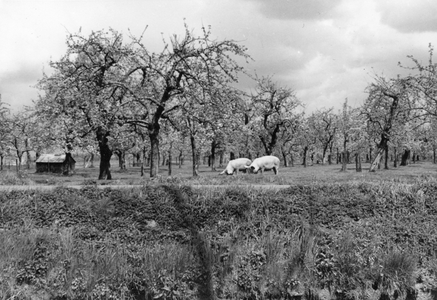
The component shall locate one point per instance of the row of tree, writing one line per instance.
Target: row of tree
(117, 97)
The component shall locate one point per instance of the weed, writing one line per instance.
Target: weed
(15, 178)
(397, 272)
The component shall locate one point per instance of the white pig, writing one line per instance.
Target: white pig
(235, 165)
(265, 163)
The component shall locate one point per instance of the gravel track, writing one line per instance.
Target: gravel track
(52, 187)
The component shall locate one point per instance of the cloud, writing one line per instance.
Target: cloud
(329, 88)
(17, 86)
(22, 73)
(409, 16)
(324, 50)
(324, 60)
(297, 9)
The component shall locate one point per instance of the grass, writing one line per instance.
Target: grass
(72, 267)
(287, 175)
(15, 178)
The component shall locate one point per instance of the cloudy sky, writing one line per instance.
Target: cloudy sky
(324, 50)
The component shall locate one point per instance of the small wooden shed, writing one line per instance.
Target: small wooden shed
(56, 163)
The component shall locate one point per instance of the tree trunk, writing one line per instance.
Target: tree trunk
(121, 159)
(330, 153)
(138, 159)
(69, 167)
(28, 159)
(154, 153)
(221, 160)
(305, 150)
(194, 155)
(1, 162)
(232, 156)
(212, 158)
(358, 162)
(395, 154)
(370, 154)
(105, 154)
(273, 135)
(382, 146)
(344, 159)
(343, 162)
(170, 158)
(337, 156)
(325, 149)
(268, 150)
(405, 157)
(180, 159)
(284, 157)
(386, 158)
(19, 160)
(377, 160)
(26, 144)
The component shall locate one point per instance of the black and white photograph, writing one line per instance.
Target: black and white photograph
(201, 149)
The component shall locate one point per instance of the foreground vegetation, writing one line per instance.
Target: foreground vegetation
(347, 241)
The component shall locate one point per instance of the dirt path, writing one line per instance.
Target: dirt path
(52, 187)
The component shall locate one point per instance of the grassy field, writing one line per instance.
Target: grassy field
(287, 175)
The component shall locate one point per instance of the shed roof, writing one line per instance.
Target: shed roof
(51, 158)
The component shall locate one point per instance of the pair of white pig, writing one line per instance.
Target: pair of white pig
(259, 164)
